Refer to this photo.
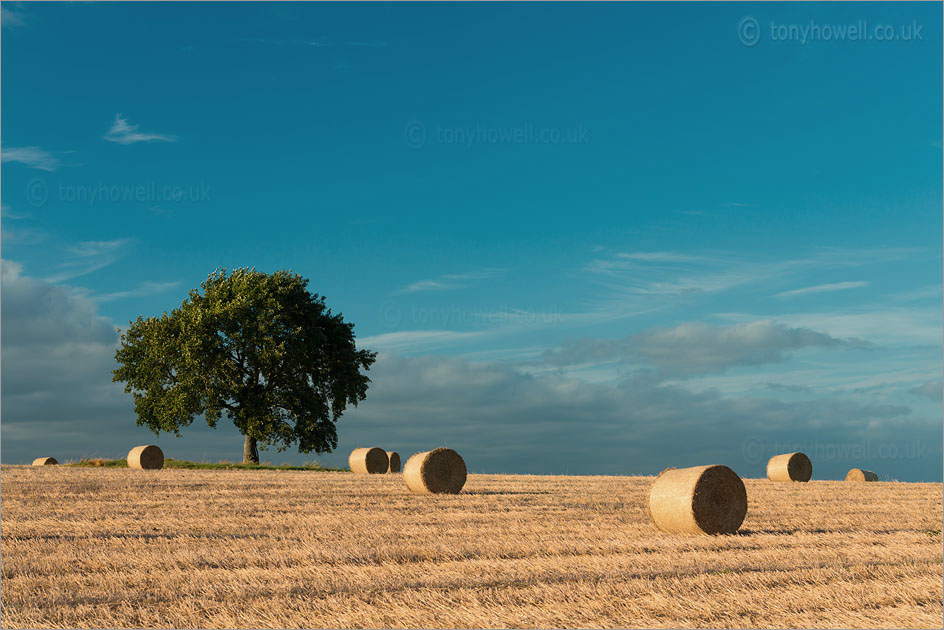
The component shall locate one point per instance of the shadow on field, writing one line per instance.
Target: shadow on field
(790, 532)
(105, 536)
(505, 492)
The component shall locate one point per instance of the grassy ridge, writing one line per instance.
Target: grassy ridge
(179, 463)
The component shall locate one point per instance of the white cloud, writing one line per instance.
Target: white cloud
(33, 157)
(36, 312)
(933, 390)
(887, 375)
(124, 133)
(503, 420)
(697, 348)
(58, 354)
(825, 288)
(881, 325)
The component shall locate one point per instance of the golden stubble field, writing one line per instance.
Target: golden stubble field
(116, 548)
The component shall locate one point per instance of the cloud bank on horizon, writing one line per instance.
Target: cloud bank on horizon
(610, 306)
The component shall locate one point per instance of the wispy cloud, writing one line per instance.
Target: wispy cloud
(89, 256)
(449, 281)
(123, 132)
(33, 157)
(631, 261)
(671, 274)
(426, 285)
(10, 17)
(659, 257)
(414, 340)
(24, 235)
(633, 284)
(825, 288)
(366, 44)
(21, 234)
(273, 41)
(143, 289)
(929, 292)
(474, 275)
(793, 389)
(510, 315)
(6, 213)
(310, 43)
(355, 44)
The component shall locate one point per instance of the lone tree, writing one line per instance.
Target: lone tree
(255, 346)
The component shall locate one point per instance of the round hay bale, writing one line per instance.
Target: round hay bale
(699, 500)
(147, 457)
(857, 474)
(440, 471)
(790, 467)
(394, 458)
(368, 461)
(45, 461)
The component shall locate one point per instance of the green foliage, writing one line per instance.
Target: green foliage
(256, 347)
(180, 463)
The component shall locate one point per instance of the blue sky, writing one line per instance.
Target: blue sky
(600, 238)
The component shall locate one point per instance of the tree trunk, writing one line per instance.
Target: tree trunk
(250, 451)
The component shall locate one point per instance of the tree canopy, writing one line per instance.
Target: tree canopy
(257, 347)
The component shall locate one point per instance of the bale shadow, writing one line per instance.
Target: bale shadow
(800, 530)
(781, 532)
(126, 536)
(506, 492)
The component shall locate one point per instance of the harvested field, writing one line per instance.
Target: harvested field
(113, 547)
